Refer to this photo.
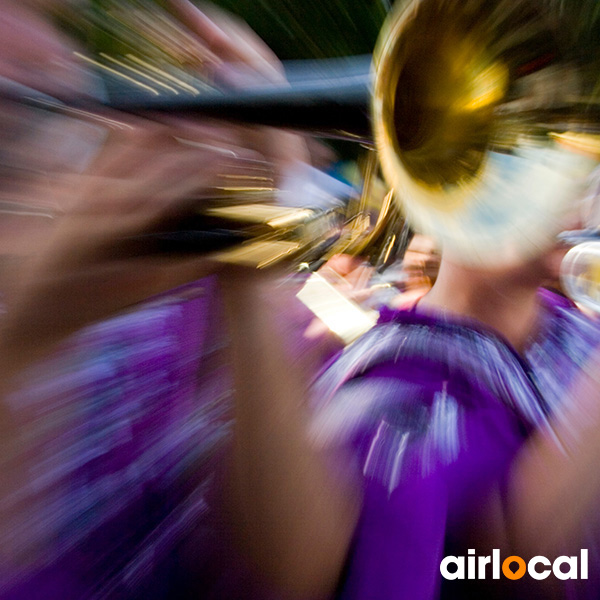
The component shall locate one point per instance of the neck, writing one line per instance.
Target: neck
(503, 301)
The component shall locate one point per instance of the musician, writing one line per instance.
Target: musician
(109, 437)
(437, 422)
(456, 415)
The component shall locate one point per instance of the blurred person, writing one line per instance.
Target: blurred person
(111, 428)
(431, 443)
(456, 425)
(144, 176)
(464, 425)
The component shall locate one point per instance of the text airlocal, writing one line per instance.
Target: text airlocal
(514, 567)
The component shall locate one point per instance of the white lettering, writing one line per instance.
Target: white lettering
(584, 564)
(459, 561)
(471, 570)
(483, 561)
(539, 560)
(496, 563)
(539, 567)
(568, 560)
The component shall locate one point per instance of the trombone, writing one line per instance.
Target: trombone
(467, 104)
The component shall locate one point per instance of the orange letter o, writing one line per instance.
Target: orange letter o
(519, 572)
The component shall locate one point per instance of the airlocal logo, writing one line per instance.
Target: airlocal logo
(514, 567)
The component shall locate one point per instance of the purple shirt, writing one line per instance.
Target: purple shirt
(125, 430)
(127, 425)
(435, 410)
(122, 428)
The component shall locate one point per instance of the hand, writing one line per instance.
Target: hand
(149, 176)
(145, 180)
(238, 58)
(236, 54)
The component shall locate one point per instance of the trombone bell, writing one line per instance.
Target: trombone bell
(469, 101)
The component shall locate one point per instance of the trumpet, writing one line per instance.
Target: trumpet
(580, 274)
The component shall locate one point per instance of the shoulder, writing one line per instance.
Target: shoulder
(412, 369)
(562, 307)
(566, 327)
(424, 351)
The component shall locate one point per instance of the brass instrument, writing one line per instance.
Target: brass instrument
(580, 274)
(333, 103)
(246, 226)
(470, 103)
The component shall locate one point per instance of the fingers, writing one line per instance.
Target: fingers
(150, 180)
(231, 41)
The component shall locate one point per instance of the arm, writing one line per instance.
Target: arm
(294, 518)
(555, 482)
(282, 494)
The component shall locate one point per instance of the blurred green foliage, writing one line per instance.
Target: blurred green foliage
(318, 29)
(330, 28)
(293, 29)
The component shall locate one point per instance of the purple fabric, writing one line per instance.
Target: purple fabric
(435, 409)
(123, 429)
(126, 428)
